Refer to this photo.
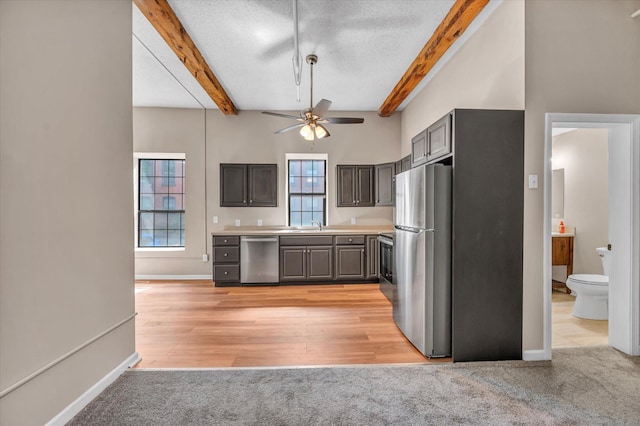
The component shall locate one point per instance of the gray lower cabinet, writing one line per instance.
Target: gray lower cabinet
(384, 184)
(372, 257)
(307, 263)
(306, 258)
(226, 260)
(350, 258)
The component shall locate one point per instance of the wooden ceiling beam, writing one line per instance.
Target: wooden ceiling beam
(165, 21)
(462, 13)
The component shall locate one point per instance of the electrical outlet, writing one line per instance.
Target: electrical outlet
(259, 222)
(353, 220)
(205, 257)
(533, 181)
(215, 219)
(237, 222)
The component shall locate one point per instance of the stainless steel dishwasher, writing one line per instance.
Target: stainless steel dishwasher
(259, 260)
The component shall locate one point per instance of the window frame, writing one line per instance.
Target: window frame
(301, 156)
(137, 156)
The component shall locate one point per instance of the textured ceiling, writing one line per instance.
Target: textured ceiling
(363, 46)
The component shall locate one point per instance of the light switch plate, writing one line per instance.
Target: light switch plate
(259, 222)
(533, 181)
(237, 222)
(353, 220)
(215, 219)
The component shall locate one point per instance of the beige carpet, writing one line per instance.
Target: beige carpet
(596, 385)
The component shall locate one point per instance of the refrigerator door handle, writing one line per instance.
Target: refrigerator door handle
(414, 230)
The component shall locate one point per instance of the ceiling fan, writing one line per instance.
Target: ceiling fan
(311, 120)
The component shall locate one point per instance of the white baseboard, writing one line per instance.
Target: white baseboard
(173, 277)
(535, 355)
(76, 406)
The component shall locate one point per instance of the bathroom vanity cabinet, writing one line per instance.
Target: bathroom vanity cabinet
(562, 254)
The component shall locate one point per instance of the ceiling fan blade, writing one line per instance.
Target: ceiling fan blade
(322, 107)
(343, 120)
(277, 114)
(286, 129)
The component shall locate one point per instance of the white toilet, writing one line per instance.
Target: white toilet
(592, 291)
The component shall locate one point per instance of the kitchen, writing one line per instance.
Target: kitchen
(214, 140)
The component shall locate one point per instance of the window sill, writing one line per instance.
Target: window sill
(158, 249)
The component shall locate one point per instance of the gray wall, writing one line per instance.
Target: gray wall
(66, 257)
(581, 57)
(249, 138)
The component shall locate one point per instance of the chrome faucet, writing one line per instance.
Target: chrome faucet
(317, 222)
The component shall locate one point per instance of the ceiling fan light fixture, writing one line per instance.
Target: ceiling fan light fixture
(321, 131)
(307, 132)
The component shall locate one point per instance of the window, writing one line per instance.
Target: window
(307, 191)
(160, 206)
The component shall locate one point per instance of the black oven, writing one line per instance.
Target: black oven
(385, 265)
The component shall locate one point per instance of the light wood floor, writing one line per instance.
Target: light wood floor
(194, 324)
(569, 331)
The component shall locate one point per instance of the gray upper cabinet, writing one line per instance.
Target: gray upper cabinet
(355, 186)
(439, 138)
(384, 184)
(405, 164)
(233, 185)
(419, 149)
(248, 185)
(263, 185)
(433, 143)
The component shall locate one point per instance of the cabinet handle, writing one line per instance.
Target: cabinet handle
(225, 241)
(226, 273)
(363, 250)
(350, 240)
(226, 254)
(250, 201)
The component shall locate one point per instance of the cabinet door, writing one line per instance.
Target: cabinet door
(350, 263)
(398, 168)
(263, 185)
(233, 185)
(293, 263)
(346, 178)
(365, 186)
(372, 255)
(406, 163)
(439, 138)
(320, 263)
(419, 149)
(384, 184)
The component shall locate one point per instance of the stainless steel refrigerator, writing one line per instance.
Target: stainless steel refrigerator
(422, 253)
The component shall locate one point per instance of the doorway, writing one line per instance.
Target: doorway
(579, 225)
(623, 227)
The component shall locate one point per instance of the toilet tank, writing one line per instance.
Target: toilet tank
(605, 256)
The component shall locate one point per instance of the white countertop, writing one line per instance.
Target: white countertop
(565, 234)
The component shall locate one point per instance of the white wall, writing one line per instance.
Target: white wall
(66, 257)
(249, 138)
(581, 57)
(487, 72)
(583, 155)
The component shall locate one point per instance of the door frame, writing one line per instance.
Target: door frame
(628, 331)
